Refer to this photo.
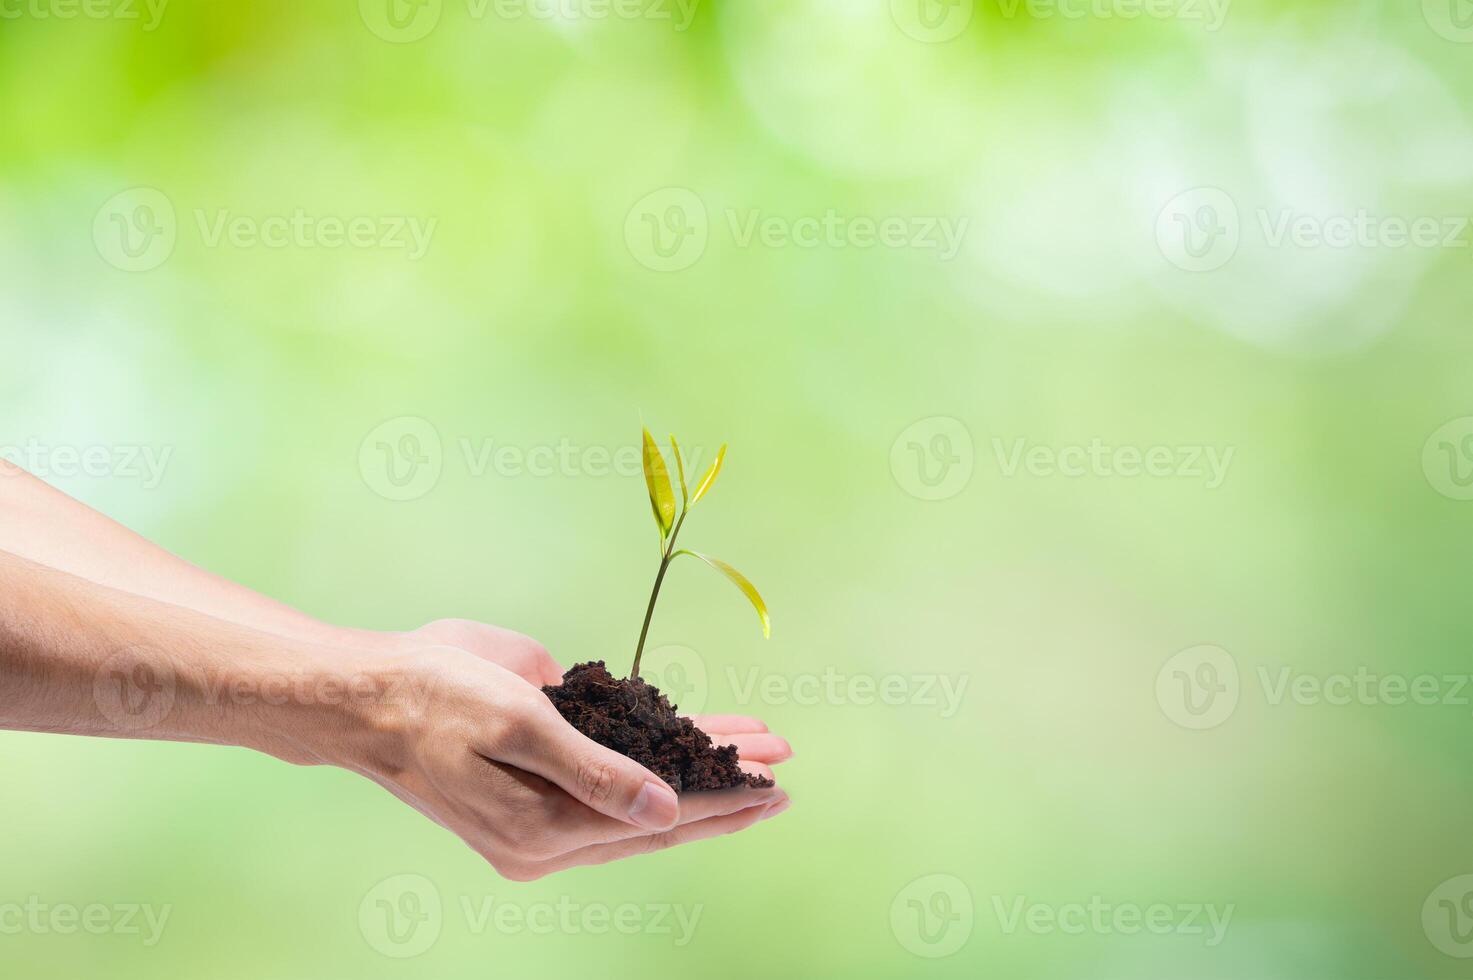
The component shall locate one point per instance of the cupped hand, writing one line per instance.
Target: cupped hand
(477, 749)
(506, 648)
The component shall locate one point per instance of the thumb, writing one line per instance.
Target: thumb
(611, 783)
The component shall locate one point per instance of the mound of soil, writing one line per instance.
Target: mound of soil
(634, 718)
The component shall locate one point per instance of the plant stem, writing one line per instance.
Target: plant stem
(649, 612)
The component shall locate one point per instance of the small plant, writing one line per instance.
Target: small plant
(631, 716)
(671, 519)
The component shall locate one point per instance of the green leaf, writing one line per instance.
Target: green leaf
(680, 468)
(709, 478)
(657, 478)
(740, 581)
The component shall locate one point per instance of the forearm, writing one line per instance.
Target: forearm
(80, 658)
(468, 743)
(42, 524)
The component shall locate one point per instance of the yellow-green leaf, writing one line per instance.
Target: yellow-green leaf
(680, 469)
(657, 478)
(709, 478)
(740, 581)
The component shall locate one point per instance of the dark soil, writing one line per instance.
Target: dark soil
(634, 718)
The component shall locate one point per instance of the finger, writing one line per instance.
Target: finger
(541, 742)
(648, 844)
(728, 724)
(534, 663)
(756, 769)
(551, 672)
(759, 748)
(547, 820)
(588, 828)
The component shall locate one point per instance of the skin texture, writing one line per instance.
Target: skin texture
(95, 621)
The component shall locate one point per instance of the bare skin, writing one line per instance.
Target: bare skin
(103, 633)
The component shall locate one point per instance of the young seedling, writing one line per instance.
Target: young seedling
(671, 519)
(633, 717)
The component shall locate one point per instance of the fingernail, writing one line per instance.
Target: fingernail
(777, 808)
(656, 807)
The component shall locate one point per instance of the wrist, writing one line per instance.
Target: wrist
(364, 641)
(360, 710)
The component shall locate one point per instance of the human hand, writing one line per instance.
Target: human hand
(506, 648)
(483, 753)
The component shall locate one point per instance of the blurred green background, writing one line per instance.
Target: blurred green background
(1177, 226)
